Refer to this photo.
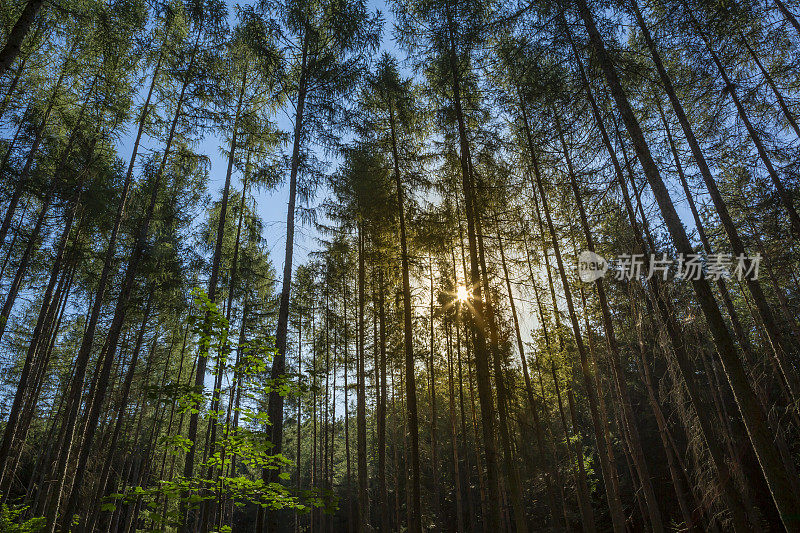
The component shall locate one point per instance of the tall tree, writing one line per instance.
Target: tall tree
(325, 45)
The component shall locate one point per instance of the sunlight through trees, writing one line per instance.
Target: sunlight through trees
(422, 265)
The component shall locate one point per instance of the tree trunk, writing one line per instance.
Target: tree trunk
(383, 503)
(12, 88)
(100, 490)
(581, 487)
(477, 317)
(346, 364)
(779, 345)
(314, 404)
(587, 518)
(48, 307)
(553, 503)
(794, 218)
(38, 136)
(732, 499)
(112, 339)
(275, 407)
(55, 314)
(781, 101)
(601, 438)
(415, 523)
(510, 467)
(680, 483)
(484, 491)
(788, 15)
(464, 430)
(66, 433)
(22, 267)
(432, 379)
(202, 358)
(20, 29)
(752, 415)
(628, 418)
(361, 409)
(454, 434)
(46, 202)
(604, 450)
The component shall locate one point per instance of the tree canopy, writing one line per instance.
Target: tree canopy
(535, 266)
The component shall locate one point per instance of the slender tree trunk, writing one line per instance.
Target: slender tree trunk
(299, 419)
(22, 267)
(788, 15)
(477, 317)
(511, 472)
(680, 483)
(396, 460)
(326, 400)
(7, 258)
(38, 371)
(553, 503)
(275, 407)
(162, 472)
(741, 336)
(554, 475)
(587, 517)
(780, 346)
(346, 364)
(361, 396)
(123, 405)
(483, 489)
(13, 45)
(454, 433)
(97, 393)
(202, 358)
(604, 450)
(66, 434)
(790, 317)
(53, 328)
(469, 345)
(781, 101)
(754, 418)
(432, 392)
(786, 200)
(581, 487)
(628, 418)
(46, 312)
(18, 187)
(232, 285)
(314, 406)
(46, 203)
(38, 136)
(415, 512)
(330, 430)
(383, 504)
(707, 421)
(12, 88)
(471, 510)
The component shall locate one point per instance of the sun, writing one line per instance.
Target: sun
(462, 294)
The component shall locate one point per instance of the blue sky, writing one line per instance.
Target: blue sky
(272, 205)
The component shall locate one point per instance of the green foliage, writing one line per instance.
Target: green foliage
(247, 445)
(12, 521)
(299, 89)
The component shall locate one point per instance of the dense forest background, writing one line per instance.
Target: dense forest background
(429, 358)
